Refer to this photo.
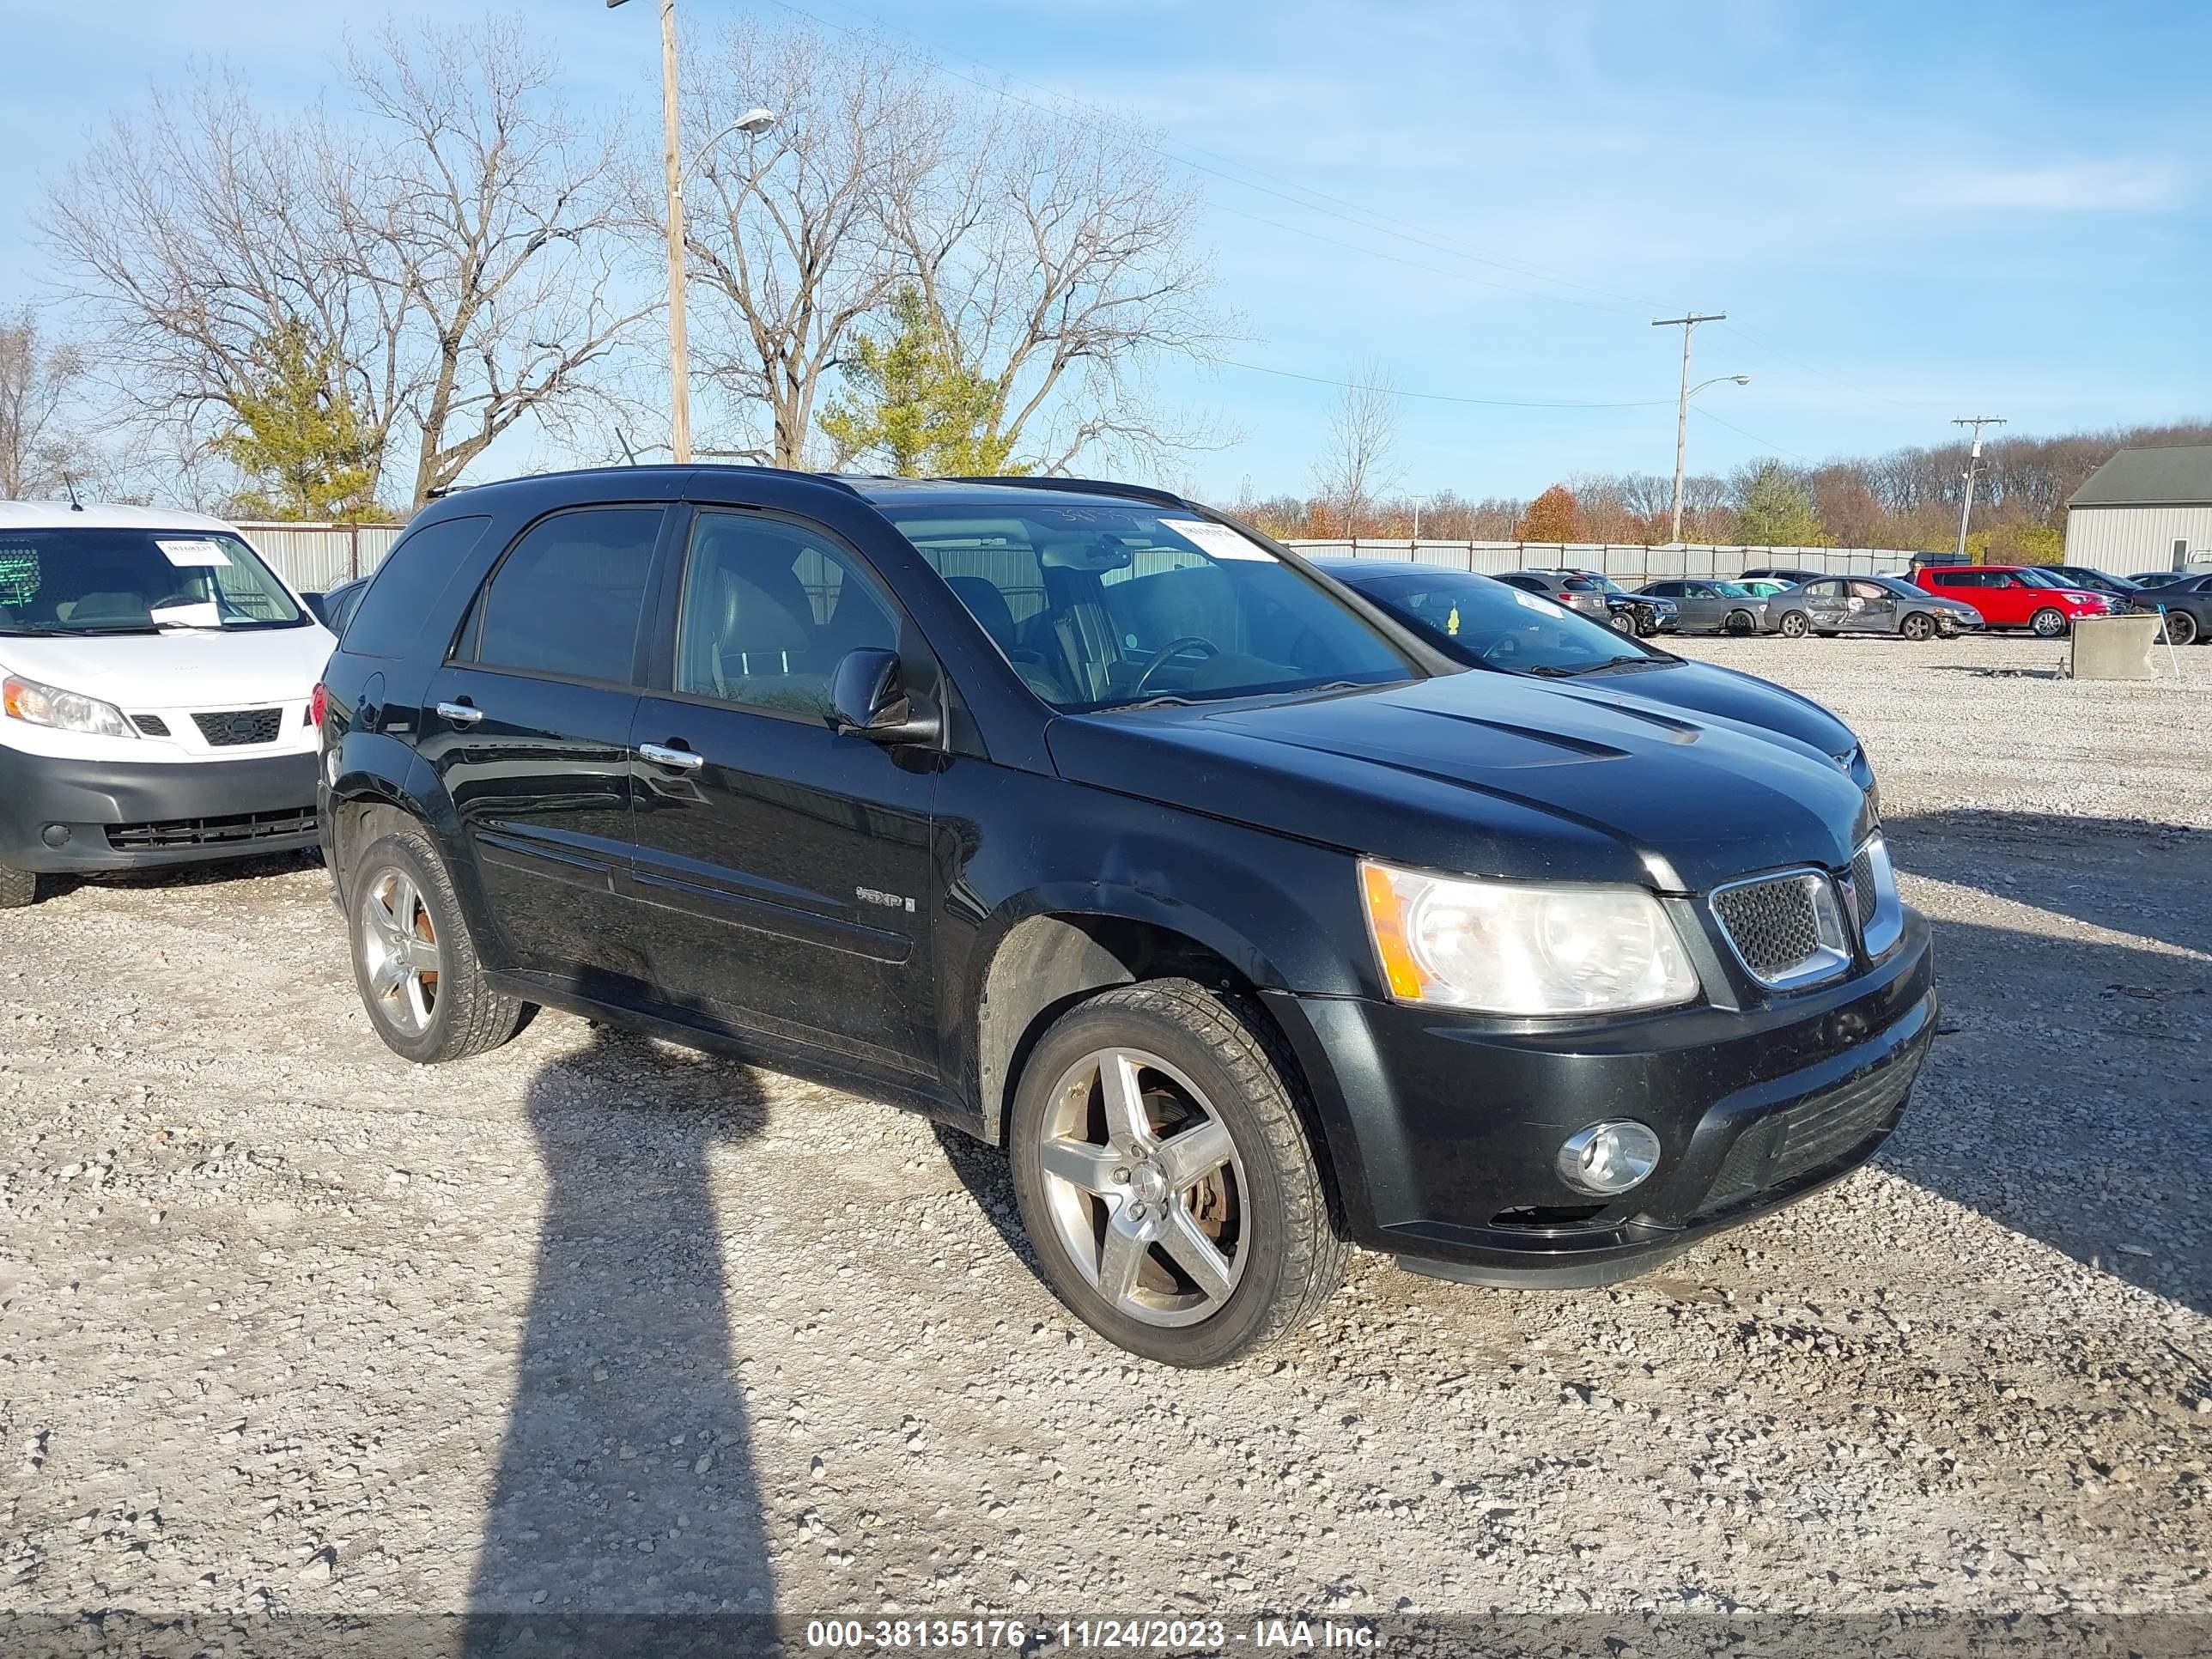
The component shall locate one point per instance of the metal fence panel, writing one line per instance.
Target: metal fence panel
(1630, 565)
(314, 557)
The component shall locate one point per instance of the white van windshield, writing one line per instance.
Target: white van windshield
(101, 579)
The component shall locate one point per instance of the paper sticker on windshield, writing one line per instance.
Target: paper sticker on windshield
(203, 614)
(1535, 602)
(187, 554)
(1219, 540)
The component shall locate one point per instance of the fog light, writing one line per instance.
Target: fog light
(55, 835)
(1608, 1158)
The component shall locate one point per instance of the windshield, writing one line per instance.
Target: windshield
(1096, 605)
(96, 580)
(1500, 626)
(1734, 591)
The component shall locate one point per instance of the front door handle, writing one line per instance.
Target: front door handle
(459, 713)
(682, 759)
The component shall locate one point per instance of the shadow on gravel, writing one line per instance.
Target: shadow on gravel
(626, 1483)
(221, 872)
(984, 1171)
(2071, 1100)
(2153, 880)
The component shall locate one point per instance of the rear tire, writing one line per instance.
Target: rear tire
(2048, 625)
(413, 959)
(1187, 1271)
(2181, 628)
(17, 888)
(1794, 625)
(1918, 627)
(1739, 623)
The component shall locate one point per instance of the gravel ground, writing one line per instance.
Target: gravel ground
(592, 1323)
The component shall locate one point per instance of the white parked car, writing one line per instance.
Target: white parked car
(155, 681)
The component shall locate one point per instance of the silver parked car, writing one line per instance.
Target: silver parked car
(1714, 607)
(1868, 605)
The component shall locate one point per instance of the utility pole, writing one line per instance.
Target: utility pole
(679, 352)
(1689, 325)
(1973, 465)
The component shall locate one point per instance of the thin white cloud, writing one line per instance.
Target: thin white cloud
(2085, 187)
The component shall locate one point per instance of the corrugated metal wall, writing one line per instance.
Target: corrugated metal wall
(1625, 564)
(314, 557)
(2126, 539)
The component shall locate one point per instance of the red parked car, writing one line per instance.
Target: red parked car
(2014, 595)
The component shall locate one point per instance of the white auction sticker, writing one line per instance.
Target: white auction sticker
(188, 554)
(200, 614)
(1219, 539)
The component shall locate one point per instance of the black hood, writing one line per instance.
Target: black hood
(1700, 688)
(1490, 775)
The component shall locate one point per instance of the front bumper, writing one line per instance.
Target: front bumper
(1443, 1129)
(60, 815)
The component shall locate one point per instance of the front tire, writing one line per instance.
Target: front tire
(1794, 625)
(2048, 625)
(1166, 1178)
(1918, 627)
(1622, 621)
(413, 959)
(17, 888)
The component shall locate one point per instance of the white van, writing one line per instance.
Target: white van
(155, 676)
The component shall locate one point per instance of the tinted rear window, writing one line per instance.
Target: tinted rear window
(388, 616)
(567, 599)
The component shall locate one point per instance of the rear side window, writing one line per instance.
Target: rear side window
(390, 614)
(567, 598)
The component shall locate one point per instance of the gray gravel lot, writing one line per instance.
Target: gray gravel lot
(597, 1323)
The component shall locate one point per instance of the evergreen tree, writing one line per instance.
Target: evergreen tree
(1775, 511)
(910, 408)
(299, 438)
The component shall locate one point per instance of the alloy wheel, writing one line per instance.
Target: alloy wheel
(399, 950)
(2047, 624)
(1794, 625)
(1145, 1186)
(1916, 626)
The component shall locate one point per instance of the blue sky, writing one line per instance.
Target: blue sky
(1909, 211)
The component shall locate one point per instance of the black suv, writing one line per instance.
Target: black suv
(1085, 819)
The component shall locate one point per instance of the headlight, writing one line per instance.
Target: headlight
(65, 711)
(1510, 947)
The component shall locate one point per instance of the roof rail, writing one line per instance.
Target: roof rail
(1085, 487)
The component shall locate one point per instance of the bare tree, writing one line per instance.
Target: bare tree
(199, 230)
(1055, 254)
(786, 232)
(40, 448)
(1358, 469)
(487, 217)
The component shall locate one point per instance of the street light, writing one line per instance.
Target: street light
(753, 121)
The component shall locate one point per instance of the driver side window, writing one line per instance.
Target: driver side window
(768, 610)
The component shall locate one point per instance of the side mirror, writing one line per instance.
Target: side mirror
(868, 699)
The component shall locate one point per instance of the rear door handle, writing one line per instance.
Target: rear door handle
(682, 759)
(459, 713)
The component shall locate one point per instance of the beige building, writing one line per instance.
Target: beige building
(2145, 509)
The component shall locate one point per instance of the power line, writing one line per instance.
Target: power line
(1432, 397)
(1100, 118)
(1766, 444)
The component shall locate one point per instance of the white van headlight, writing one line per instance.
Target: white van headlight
(1517, 947)
(65, 711)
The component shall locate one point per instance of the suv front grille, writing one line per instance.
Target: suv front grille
(1786, 930)
(1863, 892)
(239, 726)
(211, 832)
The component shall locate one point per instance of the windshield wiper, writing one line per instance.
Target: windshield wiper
(1165, 700)
(77, 632)
(1554, 671)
